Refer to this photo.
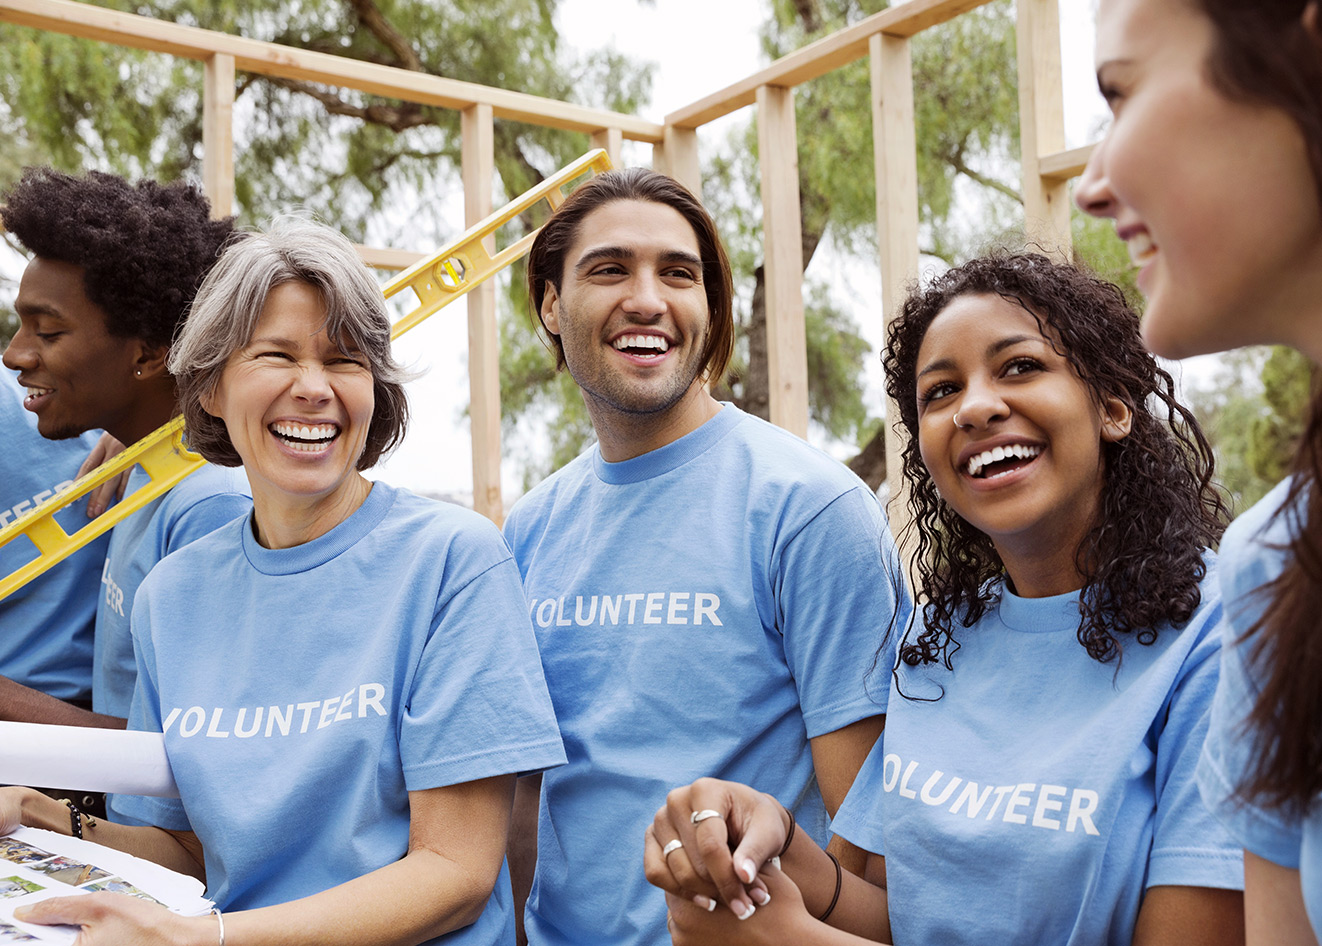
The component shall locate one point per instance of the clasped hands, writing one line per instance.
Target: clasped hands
(713, 849)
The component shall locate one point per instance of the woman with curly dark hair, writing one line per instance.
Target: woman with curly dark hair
(1051, 697)
(1212, 170)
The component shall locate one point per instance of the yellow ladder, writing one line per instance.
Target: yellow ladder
(436, 282)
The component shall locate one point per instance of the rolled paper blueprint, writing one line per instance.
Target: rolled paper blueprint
(84, 759)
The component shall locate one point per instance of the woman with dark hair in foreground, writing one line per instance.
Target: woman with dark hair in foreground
(1212, 170)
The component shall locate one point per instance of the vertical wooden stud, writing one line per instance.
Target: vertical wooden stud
(483, 339)
(895, 157)
(678, 157)
(1042, 125)
(218, 134)
(610, 140)
(782, 234)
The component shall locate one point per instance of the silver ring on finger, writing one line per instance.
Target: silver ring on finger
(706, 813)
(671, 847)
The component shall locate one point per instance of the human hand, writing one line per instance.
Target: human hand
(701, 867)
(114, 919)
(780, 919)
(111, 491)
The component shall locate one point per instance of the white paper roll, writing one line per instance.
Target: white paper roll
(81, 758)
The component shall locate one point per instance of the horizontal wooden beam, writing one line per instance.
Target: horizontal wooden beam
(825, 55)
(1063, 165)
(287, 62)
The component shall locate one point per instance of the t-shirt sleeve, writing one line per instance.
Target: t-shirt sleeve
(204, 517)
(145, 716)
(478, 705)
(1189, 846)
(840, 593)
(859, 819)
(1252, 555)
(1226, 761)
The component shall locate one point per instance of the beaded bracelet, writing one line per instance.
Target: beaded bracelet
(76, 816)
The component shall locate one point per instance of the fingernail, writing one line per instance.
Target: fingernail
(760, 895)
(707, 903)
(747, 913)
(21, 913)
(775, 862)
(748, 871)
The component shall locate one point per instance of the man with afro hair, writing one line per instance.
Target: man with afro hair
(115, 267)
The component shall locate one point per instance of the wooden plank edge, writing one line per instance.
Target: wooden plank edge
(1064, 165)
(823, 56)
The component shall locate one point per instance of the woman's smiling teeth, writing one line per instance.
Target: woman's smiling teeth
(1141, 248)
(977, 465)
(309, 439)
(642, 345)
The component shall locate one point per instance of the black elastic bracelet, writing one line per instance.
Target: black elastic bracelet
(839, 879)
(76, 816)
(789, 838)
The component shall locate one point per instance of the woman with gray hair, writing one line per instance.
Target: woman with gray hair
(347, 678)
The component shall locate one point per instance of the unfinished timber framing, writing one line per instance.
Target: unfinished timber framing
(883, 38)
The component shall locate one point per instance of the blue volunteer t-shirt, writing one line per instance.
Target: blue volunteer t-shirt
(1032, 794)
(1253, 554)
(702, 610)
(45, 626)
(304, 692)
(199, 505)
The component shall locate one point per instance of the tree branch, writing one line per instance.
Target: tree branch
(517, 172)
(395, 117)
(371, 17)
(957, 162)
(806, 10)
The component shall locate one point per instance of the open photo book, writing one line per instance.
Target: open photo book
(37, 864)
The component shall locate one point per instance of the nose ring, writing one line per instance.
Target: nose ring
(957, 423)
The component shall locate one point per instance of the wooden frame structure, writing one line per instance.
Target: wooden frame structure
(883, 38)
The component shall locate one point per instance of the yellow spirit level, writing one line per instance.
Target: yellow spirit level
(436, 282)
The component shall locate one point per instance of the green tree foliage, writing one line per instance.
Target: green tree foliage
(966, 101)
(966, 107)
(8, 324)
(1096, 247)
(356, 160)
(382, 171)
(1287, 380)
(351, 158)
(1254, 409)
